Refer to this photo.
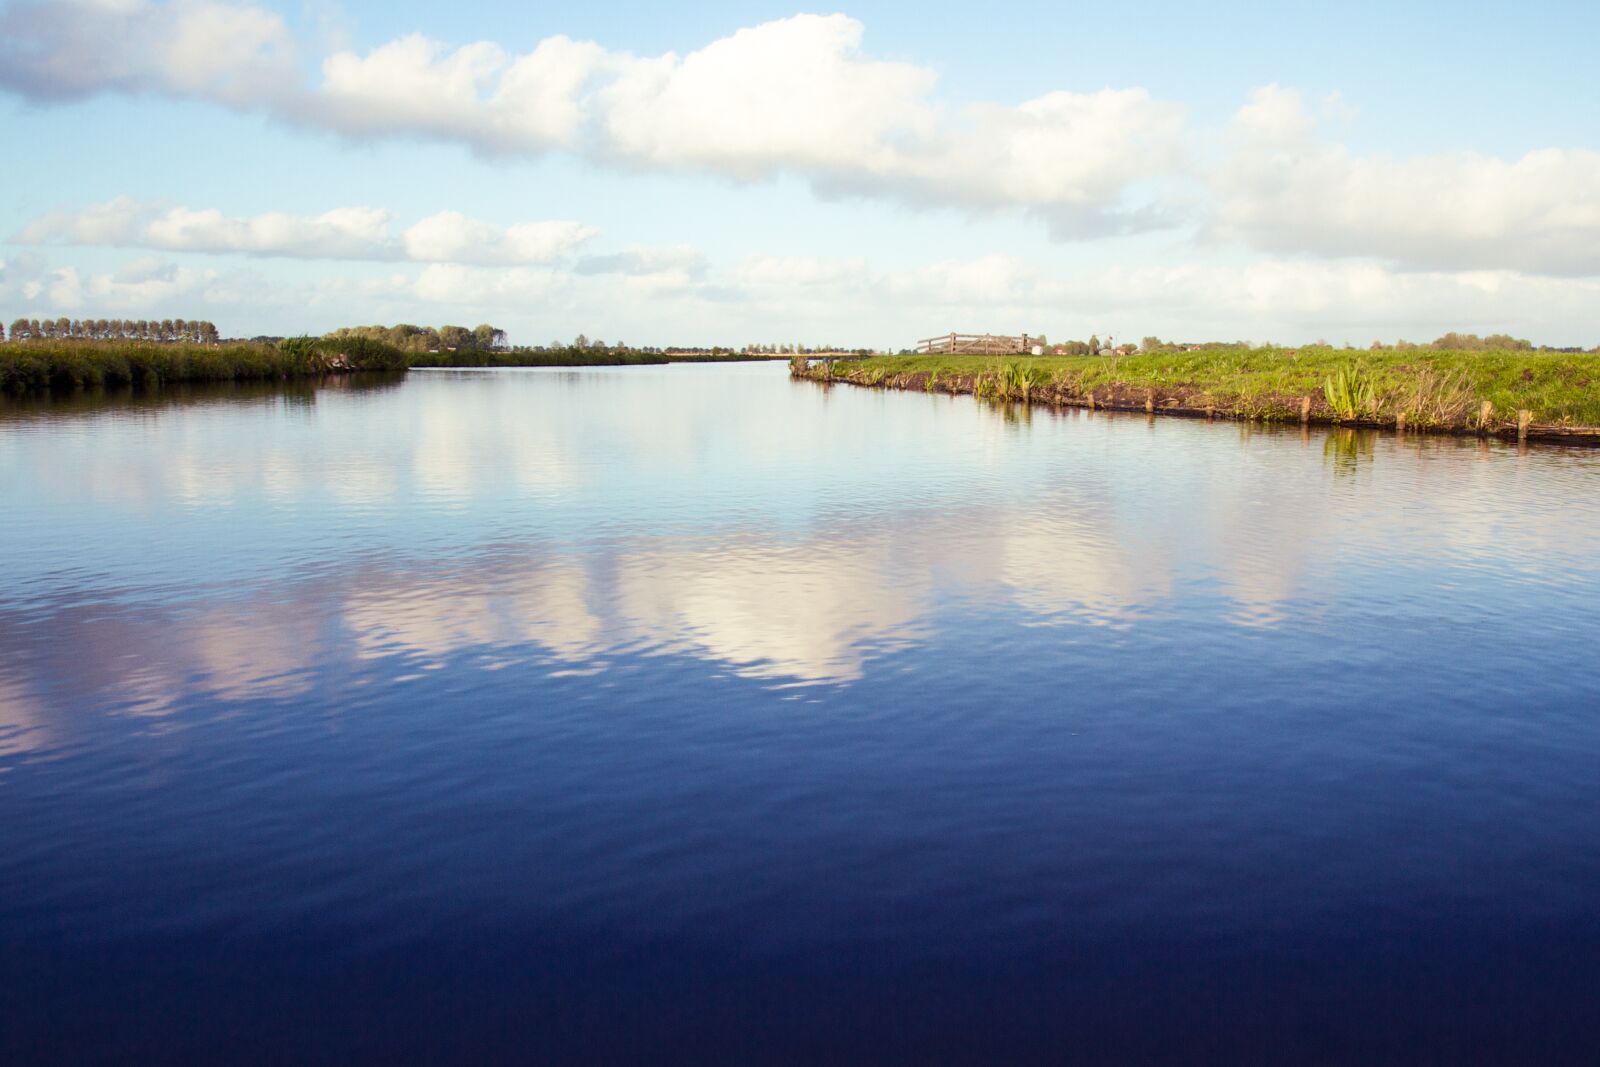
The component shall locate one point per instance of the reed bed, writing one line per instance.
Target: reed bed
(82, 364)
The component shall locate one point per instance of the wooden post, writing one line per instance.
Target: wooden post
(1150, 401)
(1524, 419)
(1400, 422)
(1091, 400)
(1484, 413)
(1305, 409)
(1210, 412)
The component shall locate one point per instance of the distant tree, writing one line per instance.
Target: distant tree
(456, 337)
(208, 333)
(1094, 343)
(63, 327)
(1507, 343)
(580, 341)
(1150, 344)
(488, 337)
(19, 330)
(165, 330)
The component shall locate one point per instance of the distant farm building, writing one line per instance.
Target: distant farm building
(983, 344)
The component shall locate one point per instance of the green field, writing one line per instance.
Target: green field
(1421, 387)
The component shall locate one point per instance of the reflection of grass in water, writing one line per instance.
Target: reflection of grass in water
(1012, 413)
(1345, 448)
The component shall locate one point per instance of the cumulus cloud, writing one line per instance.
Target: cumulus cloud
(1068, 158)
(343, 233)
(796, 96)
(1284, 190)
(792, 94)
(477, 94)
(234, 54)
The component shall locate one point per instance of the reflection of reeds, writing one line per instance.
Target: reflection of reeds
(1345, 447)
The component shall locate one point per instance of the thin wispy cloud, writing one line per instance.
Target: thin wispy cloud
(354, 233)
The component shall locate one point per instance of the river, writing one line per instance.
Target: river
(689, 714)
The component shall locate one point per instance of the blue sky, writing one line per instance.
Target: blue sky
(754, 172)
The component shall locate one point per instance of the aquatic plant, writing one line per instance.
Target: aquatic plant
(1014, 382)
(1350, 392)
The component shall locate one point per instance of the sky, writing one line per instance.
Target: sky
(757, 173)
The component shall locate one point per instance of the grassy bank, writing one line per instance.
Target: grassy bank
(1417, 388)
(42, 365)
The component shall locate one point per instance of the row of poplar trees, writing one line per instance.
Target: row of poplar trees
(167, 331)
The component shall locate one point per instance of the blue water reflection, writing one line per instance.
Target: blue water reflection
(691, 714)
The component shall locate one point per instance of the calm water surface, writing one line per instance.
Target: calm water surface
(692, 715)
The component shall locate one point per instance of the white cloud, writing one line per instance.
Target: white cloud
(451, 237)
(845, 300)
(468, 287)
(1283, 190)
(234, 54)
(476, 94)
(1068, 158)
(355, 233)
(802, 97)
(137, 286)
(343, 233)
(795, 96)
(791, 94)
(798, 272)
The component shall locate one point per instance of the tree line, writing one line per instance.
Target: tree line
(162, 331)
(419, 339)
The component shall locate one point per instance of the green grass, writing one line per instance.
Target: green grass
(43, 365)
(1430, 387)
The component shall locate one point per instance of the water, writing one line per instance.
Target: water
(688, 714)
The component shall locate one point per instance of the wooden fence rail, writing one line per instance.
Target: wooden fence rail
(978, 343)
